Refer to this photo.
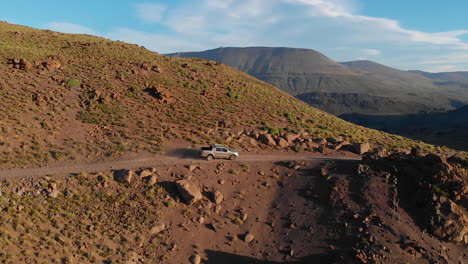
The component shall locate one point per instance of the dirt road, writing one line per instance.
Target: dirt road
(175, 156)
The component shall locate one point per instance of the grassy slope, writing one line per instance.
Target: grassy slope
(44, 118)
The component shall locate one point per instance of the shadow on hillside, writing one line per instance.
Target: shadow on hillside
(185, 153)
(217, 257)
(171, 189)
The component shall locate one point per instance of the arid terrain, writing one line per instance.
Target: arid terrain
(99, 163)
(278, 208)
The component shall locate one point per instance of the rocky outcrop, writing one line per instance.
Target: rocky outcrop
(431, 188)
(449, 222)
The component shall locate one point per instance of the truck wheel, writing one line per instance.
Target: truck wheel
(209, 157)
(232, 157)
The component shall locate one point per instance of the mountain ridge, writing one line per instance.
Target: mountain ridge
(312, 81)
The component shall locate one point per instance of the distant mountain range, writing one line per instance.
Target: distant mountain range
(362, 87)
(364, 92)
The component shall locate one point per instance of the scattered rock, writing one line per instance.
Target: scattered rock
(361, 148)
(201, 219)
(335, 140)
(54, 194)
(217, 209)
(195, 259)
(151, 180)
(217, 197)
(52, 64)
(267, 139)
(282, 143)
(243, 216)
(321, 149)
(157, 229)
(123, 176)
(320, 141)
(192, 167)
(248, 238)
(290, 138)
(145, 173)
(189, 192)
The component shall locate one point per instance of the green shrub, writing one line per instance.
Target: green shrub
(124, 73)
(73, 83)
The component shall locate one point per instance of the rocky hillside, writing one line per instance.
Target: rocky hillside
(362, 87)
(67, 98)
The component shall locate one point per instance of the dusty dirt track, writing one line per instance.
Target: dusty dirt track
(173, 156)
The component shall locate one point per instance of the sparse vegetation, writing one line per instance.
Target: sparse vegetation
(73, 83)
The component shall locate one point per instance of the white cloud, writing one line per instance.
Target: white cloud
(70, 28)
(443, 68)
(372, 52)
(150, 12)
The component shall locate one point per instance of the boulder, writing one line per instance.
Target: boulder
(320, 141)
(51, 64)
(189, 192)
(123, 176)
(151, 180)
(195, 259)
(248, 238)
(361, 148)
(157, 229)
(335, 140)
(54, 194)
(290, 137)
(145, 173)
(25, 65)
(312, 145)
(192, 167)
(282, 143)
(243, 216)
(321, 149)
(217, 197)
(267, 139)
(201, 219)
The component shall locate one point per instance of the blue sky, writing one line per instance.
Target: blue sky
(427, 35)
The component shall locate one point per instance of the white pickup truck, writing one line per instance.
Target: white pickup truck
(218, 152)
